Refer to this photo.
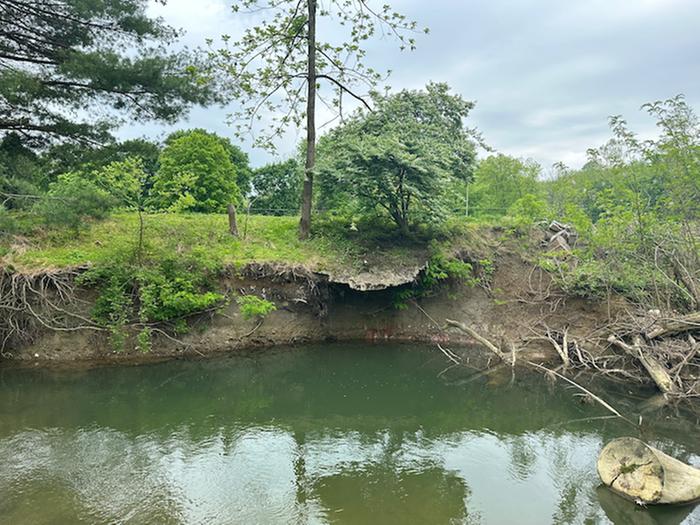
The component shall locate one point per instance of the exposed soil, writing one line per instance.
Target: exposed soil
(516, 302)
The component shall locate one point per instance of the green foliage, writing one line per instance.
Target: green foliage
(635, 207)
(124, 180)
(277, 188)
(238, 157)
(8, 224)
(500, 181)
(71, 200)
(196, 174)
(80, 158)
(167, 291)
(144, 339)
(19, 173)
(439, 269)
(71, 55)
(398, 159)
(253, 307)
(529, 209)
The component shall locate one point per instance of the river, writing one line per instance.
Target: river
(342, 433)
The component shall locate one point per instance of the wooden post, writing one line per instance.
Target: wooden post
(232, 224)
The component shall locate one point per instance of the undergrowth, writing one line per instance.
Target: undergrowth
(168, 291)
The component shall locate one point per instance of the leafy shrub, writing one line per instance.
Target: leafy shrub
(438, 270)
(529, 209)
(72, 199)
(166, 292)
(252, 306)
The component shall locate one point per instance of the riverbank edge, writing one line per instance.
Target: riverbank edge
(315, 307)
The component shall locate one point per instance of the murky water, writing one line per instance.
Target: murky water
(334, 434)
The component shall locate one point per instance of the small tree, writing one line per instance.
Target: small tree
(269, 67)
(195, 174)
(399, 157)
(127, 182)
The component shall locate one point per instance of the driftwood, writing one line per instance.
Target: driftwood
(656, 370)
(474, 334)
(676, 326)
(646, 475)
(573, 383)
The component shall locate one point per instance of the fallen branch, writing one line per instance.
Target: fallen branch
(474, 334)
(563, 349)
(449, 354)
(656, 370)
(675, 326)
(601, 401)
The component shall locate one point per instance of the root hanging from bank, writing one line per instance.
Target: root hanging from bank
(31, 302)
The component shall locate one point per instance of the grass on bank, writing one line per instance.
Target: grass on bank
(201, 236)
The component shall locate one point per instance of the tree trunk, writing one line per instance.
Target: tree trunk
(307, 192)
(642, 473)
(232, 223)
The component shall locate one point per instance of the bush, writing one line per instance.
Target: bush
(166, 292)
(72, 199)
(252, 306)
(529, 209)
(439, 269)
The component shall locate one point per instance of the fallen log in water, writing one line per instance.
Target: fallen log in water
(646, 475)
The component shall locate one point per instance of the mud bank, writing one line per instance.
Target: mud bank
(317, 307)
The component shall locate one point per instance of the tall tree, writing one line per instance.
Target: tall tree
(400, 158)
(195, 174)
(276, 188)
(272, 63)
(64, 61)
(500, 180)
(238, 157)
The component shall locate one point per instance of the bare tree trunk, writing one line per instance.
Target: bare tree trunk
(307, 192)
(232, 223)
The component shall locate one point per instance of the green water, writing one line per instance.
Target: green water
(324, 434)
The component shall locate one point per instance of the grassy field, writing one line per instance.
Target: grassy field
(267, 239)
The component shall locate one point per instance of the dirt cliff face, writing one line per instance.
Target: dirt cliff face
(311, 307)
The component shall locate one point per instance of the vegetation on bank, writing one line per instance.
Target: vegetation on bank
(396, 179)
(204, 237)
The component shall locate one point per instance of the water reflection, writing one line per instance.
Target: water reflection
(348, 435)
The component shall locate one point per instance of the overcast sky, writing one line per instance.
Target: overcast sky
(545, 74)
